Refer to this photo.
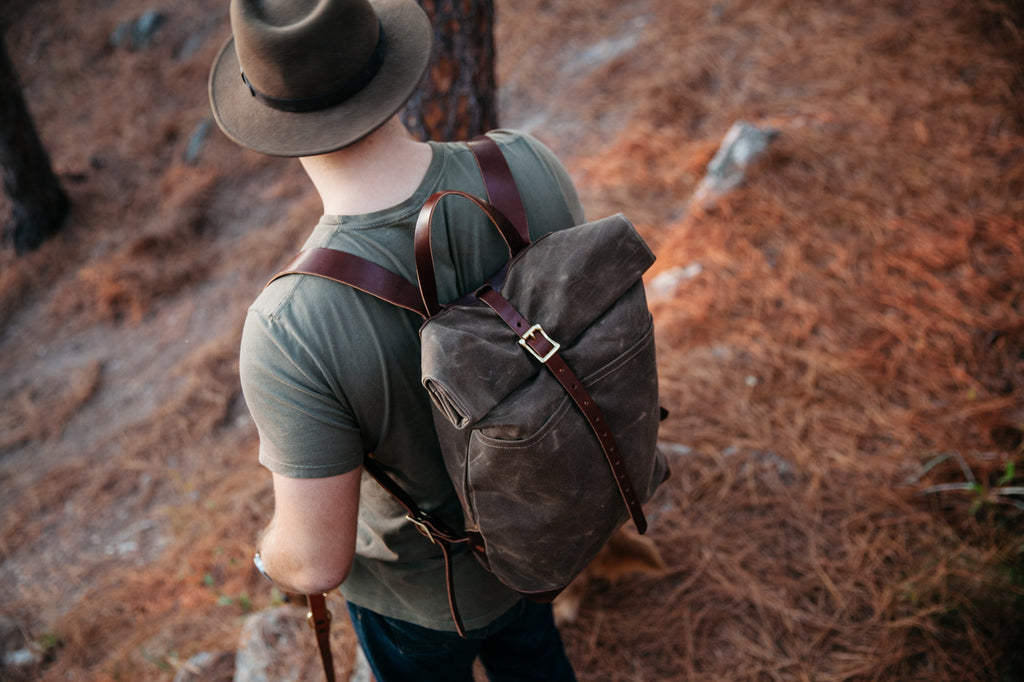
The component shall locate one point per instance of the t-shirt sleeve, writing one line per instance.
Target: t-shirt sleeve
(527, 153)
(562, 178)
(305, 428)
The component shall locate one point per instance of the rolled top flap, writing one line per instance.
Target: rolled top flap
(564, 282)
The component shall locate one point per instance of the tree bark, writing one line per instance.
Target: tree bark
(38, 203)
(458, 97)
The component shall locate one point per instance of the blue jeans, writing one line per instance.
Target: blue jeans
(523, 644)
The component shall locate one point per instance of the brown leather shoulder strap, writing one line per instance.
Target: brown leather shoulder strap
(356, 272)
(373, 279)
(502, 192)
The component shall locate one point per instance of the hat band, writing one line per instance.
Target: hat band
(333, 97)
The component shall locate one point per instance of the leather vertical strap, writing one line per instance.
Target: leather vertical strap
(502, 192)
(541, 346)
(320, 620)
(429, 526)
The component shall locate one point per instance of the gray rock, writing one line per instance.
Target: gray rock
(361, 668)
(196, 141)
(273, 645)
(208, 667)
(137, 34)
(18, 653)
(743, 144)
(666, 284)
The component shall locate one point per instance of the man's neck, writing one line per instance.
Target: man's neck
(378, 172)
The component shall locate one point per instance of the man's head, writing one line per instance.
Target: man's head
(307, 77)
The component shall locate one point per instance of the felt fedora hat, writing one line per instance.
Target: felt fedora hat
(307, 77)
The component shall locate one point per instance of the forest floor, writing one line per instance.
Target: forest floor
(840, 338)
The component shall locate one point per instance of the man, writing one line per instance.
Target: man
(331, 373)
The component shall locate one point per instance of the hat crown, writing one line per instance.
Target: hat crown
(317, 75)
(295, 49)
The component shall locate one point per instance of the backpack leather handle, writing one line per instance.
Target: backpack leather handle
(425, 274)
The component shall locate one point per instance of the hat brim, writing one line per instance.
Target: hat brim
(280, 133)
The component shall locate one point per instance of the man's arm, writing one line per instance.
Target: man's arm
(309, 544)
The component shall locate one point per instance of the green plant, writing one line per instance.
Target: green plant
(982, 495)
(49, 643)
(243, 600)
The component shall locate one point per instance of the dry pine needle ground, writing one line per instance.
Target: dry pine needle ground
(849, 335)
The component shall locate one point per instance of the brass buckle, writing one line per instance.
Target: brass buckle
(421, 527)
(532, 332)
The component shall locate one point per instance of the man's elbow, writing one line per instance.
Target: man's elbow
(317, 579)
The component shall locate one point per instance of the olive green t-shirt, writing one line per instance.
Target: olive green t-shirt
(330, 373)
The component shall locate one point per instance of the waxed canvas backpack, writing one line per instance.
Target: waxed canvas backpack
(544, 387)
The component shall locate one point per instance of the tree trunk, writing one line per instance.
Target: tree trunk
(38, 203)
(458, 97)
